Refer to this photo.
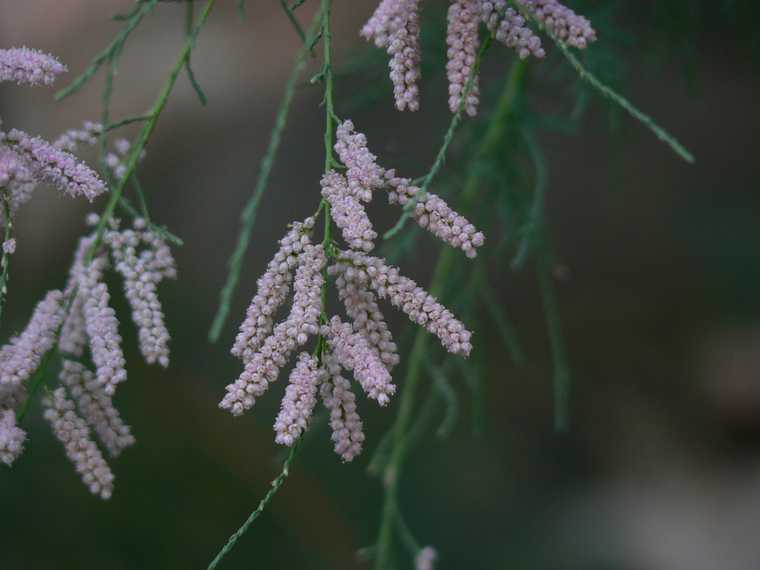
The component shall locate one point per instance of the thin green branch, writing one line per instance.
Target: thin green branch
(275, 486)
(607, 91)
(504, 326)
(127, 121)
(447, 138)
(407, 537)
(189, 18)
(248, 215)
(293, 20)
(5, 262)
(562, 378)
(533, 226)
(113, 49)
(624, 103)
(449, 397)
(400, 429)
(147, 130)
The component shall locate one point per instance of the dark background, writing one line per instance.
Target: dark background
(661, 307)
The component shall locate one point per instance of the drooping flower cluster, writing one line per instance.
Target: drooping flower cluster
(364, 176)
(395, 26)
(81, 319)
(363, 345)
(462, 41)
(26, 66)
(72, 431)
(27, 161)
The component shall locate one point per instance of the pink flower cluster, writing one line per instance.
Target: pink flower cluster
(463, 42)
(20, 358)
(395, 26)
(299, 401)
(81, 318)
(363, 345)
(404, 294)
(364, 176)
(561, 21)
(72, 431)
(273, 289)
(264, 364)
(27, 161)
(11, 437)
(434, 214)
(509, 27)
(54, 166)
(26, 66)
(336, 394)
(144, 260)
(361, 306)
(96, 407)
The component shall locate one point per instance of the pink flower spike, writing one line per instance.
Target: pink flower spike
(300, 398)
(56, 166)
(26, 66)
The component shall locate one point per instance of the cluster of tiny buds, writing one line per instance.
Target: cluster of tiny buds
(510, 28)
(264, 364)
(144, 260)
(462, 40)
(352, 351)
(346, 425)
(363, 346)
(345, 193)
(403, 293)
(72, 431)
(362, 171)
(72, 138)
(26, 66)
(434, 214)
(20, 358)
(11, 437)
(395, 26)
(561, 21)
(53, 165)
(300, 398)
(347, 212)
(366, 317)
(96, 407)
(273, 288)
(79, 318)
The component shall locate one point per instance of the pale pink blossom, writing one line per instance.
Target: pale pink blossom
(297, 406)
(346, 425)
(72, 431)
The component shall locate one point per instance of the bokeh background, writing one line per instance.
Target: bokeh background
(660, 299)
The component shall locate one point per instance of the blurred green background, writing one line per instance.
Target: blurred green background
(660, 299)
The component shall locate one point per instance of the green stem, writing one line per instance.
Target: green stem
(5, 263)
(147, 130)
(275, 486)
(393, 471)
(248, 216)
(109, 52)
(327, 77)
(561, 376)
(607, 91)
(325, 12)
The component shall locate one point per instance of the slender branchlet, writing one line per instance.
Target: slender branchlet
(248, 215)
